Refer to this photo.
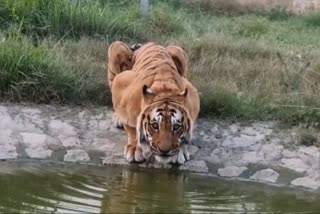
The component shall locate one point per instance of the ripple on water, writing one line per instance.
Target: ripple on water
(83, 189)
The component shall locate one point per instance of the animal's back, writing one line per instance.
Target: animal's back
(151, 56)
(156, 69)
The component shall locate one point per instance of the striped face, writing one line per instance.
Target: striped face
(163, 128)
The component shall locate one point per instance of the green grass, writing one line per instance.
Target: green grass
(43, 18)
(247, 65)
(41, 74)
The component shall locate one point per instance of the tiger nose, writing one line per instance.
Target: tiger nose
(164, 149)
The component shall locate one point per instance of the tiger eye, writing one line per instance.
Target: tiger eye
(155, 125)
(176, 127)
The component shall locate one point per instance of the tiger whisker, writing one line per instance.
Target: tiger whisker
(176, 150)
(149, 157)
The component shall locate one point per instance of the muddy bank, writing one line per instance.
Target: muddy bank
(258, 151)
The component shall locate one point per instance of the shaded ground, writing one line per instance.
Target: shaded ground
(260, 151)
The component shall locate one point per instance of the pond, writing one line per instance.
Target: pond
(39, 187)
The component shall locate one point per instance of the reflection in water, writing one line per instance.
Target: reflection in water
(141, 191)
(66, 189)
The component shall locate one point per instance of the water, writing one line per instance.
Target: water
(35, 188)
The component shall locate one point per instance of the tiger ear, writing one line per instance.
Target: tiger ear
(148, 94)
(182, 96)
(180, 59)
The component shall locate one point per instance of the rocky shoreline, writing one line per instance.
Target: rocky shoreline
(258, 151)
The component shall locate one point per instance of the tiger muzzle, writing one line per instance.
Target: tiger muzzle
(164, 150)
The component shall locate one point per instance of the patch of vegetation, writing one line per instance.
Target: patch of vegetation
(253, 29)
(247, 65)
(164, 22)
(313, 20)
(40, 74)
(278, 13)
(308, 137)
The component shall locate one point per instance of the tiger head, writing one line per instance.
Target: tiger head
(164, 127)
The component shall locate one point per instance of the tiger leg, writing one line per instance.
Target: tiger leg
(116, 121)
(119, 59)
(132, 151)
(183, 154)
(180, 59)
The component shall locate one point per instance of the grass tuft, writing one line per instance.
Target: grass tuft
(74, 18)
(278, 14)
(41, 75)
(313, 20)
(308, 137)
(253, 29)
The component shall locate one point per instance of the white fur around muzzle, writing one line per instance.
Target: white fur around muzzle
(180, 158)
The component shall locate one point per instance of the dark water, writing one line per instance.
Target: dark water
(43, 188)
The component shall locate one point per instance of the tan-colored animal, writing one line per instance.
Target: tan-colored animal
(153, 100)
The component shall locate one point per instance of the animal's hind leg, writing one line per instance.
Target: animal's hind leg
(119, 59)
(180, 59)
(132, 151)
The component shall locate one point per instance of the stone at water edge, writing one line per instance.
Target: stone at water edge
(272, 152)
(267, 175)
(58, 127)
(36, 145)
(33, 140)
(241, 142)
(39, 153)
(252, 157)
(8, 152)
(306, 182)
(294, 164)
(193, 150)
(195, 166)
(69, 141)
(76, 155)
(311, 151)
(249, 131)
(231, 171)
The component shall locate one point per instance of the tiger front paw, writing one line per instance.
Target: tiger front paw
(116, 121)
(133, 153)
(183, 156)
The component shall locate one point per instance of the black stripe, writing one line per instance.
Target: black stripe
(173, 111)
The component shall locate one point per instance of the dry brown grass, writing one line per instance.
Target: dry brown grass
(257, 71)
(254, 80)
(245, 6)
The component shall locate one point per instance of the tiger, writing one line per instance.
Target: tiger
(153, 100)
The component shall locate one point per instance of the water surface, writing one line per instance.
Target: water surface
(34, 187)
